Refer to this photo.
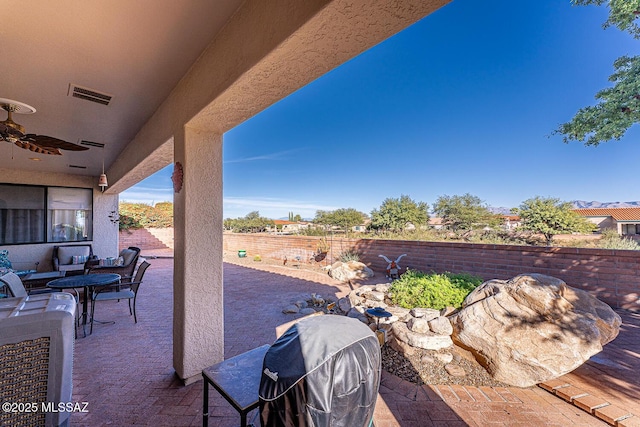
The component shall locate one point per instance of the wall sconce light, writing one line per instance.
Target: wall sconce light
(102, 181)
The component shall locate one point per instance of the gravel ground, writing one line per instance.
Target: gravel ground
(423, 367)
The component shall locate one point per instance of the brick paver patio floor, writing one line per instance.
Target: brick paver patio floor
(124, 370)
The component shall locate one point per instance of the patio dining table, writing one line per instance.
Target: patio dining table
(88, 282)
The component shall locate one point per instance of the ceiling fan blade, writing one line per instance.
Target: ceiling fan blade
(37, 148)
(49, 142)
(8, 132)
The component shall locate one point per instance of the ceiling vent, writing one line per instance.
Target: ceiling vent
(91, 143)
(77, 167)
(89, 94)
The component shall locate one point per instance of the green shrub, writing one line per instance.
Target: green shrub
(611, 240)
(142, 215)
(432, 290)
(349, 255)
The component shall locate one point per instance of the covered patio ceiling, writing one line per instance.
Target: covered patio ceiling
(134, 51)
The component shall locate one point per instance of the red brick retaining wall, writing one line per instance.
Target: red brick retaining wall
(612, 276)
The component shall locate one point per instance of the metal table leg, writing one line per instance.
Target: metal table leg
(205, 404)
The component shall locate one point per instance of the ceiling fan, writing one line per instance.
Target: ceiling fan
(14, 133)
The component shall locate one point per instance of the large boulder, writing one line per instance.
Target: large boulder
(532, 328)
(352, 270)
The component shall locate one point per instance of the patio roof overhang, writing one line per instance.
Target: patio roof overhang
(181, 74)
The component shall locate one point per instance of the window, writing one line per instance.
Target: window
(21, 214)
(33, 214)
(69, 214)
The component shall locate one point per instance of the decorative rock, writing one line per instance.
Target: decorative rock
(455, 370)
(307, 310)
(357, 315)
(371, 304)
(344, 304)
(360, 309)
(291, 309)
(301, 304)
(375, 296)
(427, 360)
(355, 299)
(533, 328)
(445, 357)
(401, 313)
(418, 325)
(364, 289)
(389, 320)
(401, 347)
(351, 270)
(428, 341)
(382, 287)
(440, 326)
(425, 313)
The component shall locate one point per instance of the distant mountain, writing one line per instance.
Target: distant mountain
(581, 204)
(500, 210)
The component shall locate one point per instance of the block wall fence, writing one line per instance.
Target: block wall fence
(612, 276)
(146, 238)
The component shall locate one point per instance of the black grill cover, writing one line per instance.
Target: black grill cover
(323, 371)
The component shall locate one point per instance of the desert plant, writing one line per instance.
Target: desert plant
(432, 290)
(349, 255)
(612, 240)
(323, 246)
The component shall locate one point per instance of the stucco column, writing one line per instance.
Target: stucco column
(198, 328)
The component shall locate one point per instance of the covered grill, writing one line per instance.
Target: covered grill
(323, 371)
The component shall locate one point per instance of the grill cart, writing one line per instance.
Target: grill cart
(323, 371)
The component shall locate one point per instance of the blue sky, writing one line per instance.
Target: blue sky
(464, 101)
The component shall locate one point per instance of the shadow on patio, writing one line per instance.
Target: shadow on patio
(124, 370)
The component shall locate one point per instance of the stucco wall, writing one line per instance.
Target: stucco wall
(610, 275)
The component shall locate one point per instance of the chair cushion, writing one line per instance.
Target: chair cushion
(71, 267)
(79, 259)
(127, 256)
(66, 253)
(124, 294)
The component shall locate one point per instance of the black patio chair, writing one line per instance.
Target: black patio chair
(124, 290)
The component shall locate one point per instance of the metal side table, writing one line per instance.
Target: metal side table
(237, 379)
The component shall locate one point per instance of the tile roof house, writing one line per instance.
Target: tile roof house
(626, 221)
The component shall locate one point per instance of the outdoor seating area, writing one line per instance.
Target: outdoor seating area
(72, 258)
(79, 272)
(131, 380)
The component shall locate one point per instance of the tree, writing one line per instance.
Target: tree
(294, 218)
(343, 218)
(619, 106)
(396, 214)
(549, 216)
(622, 14)
(465, 212)
(251, 223)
